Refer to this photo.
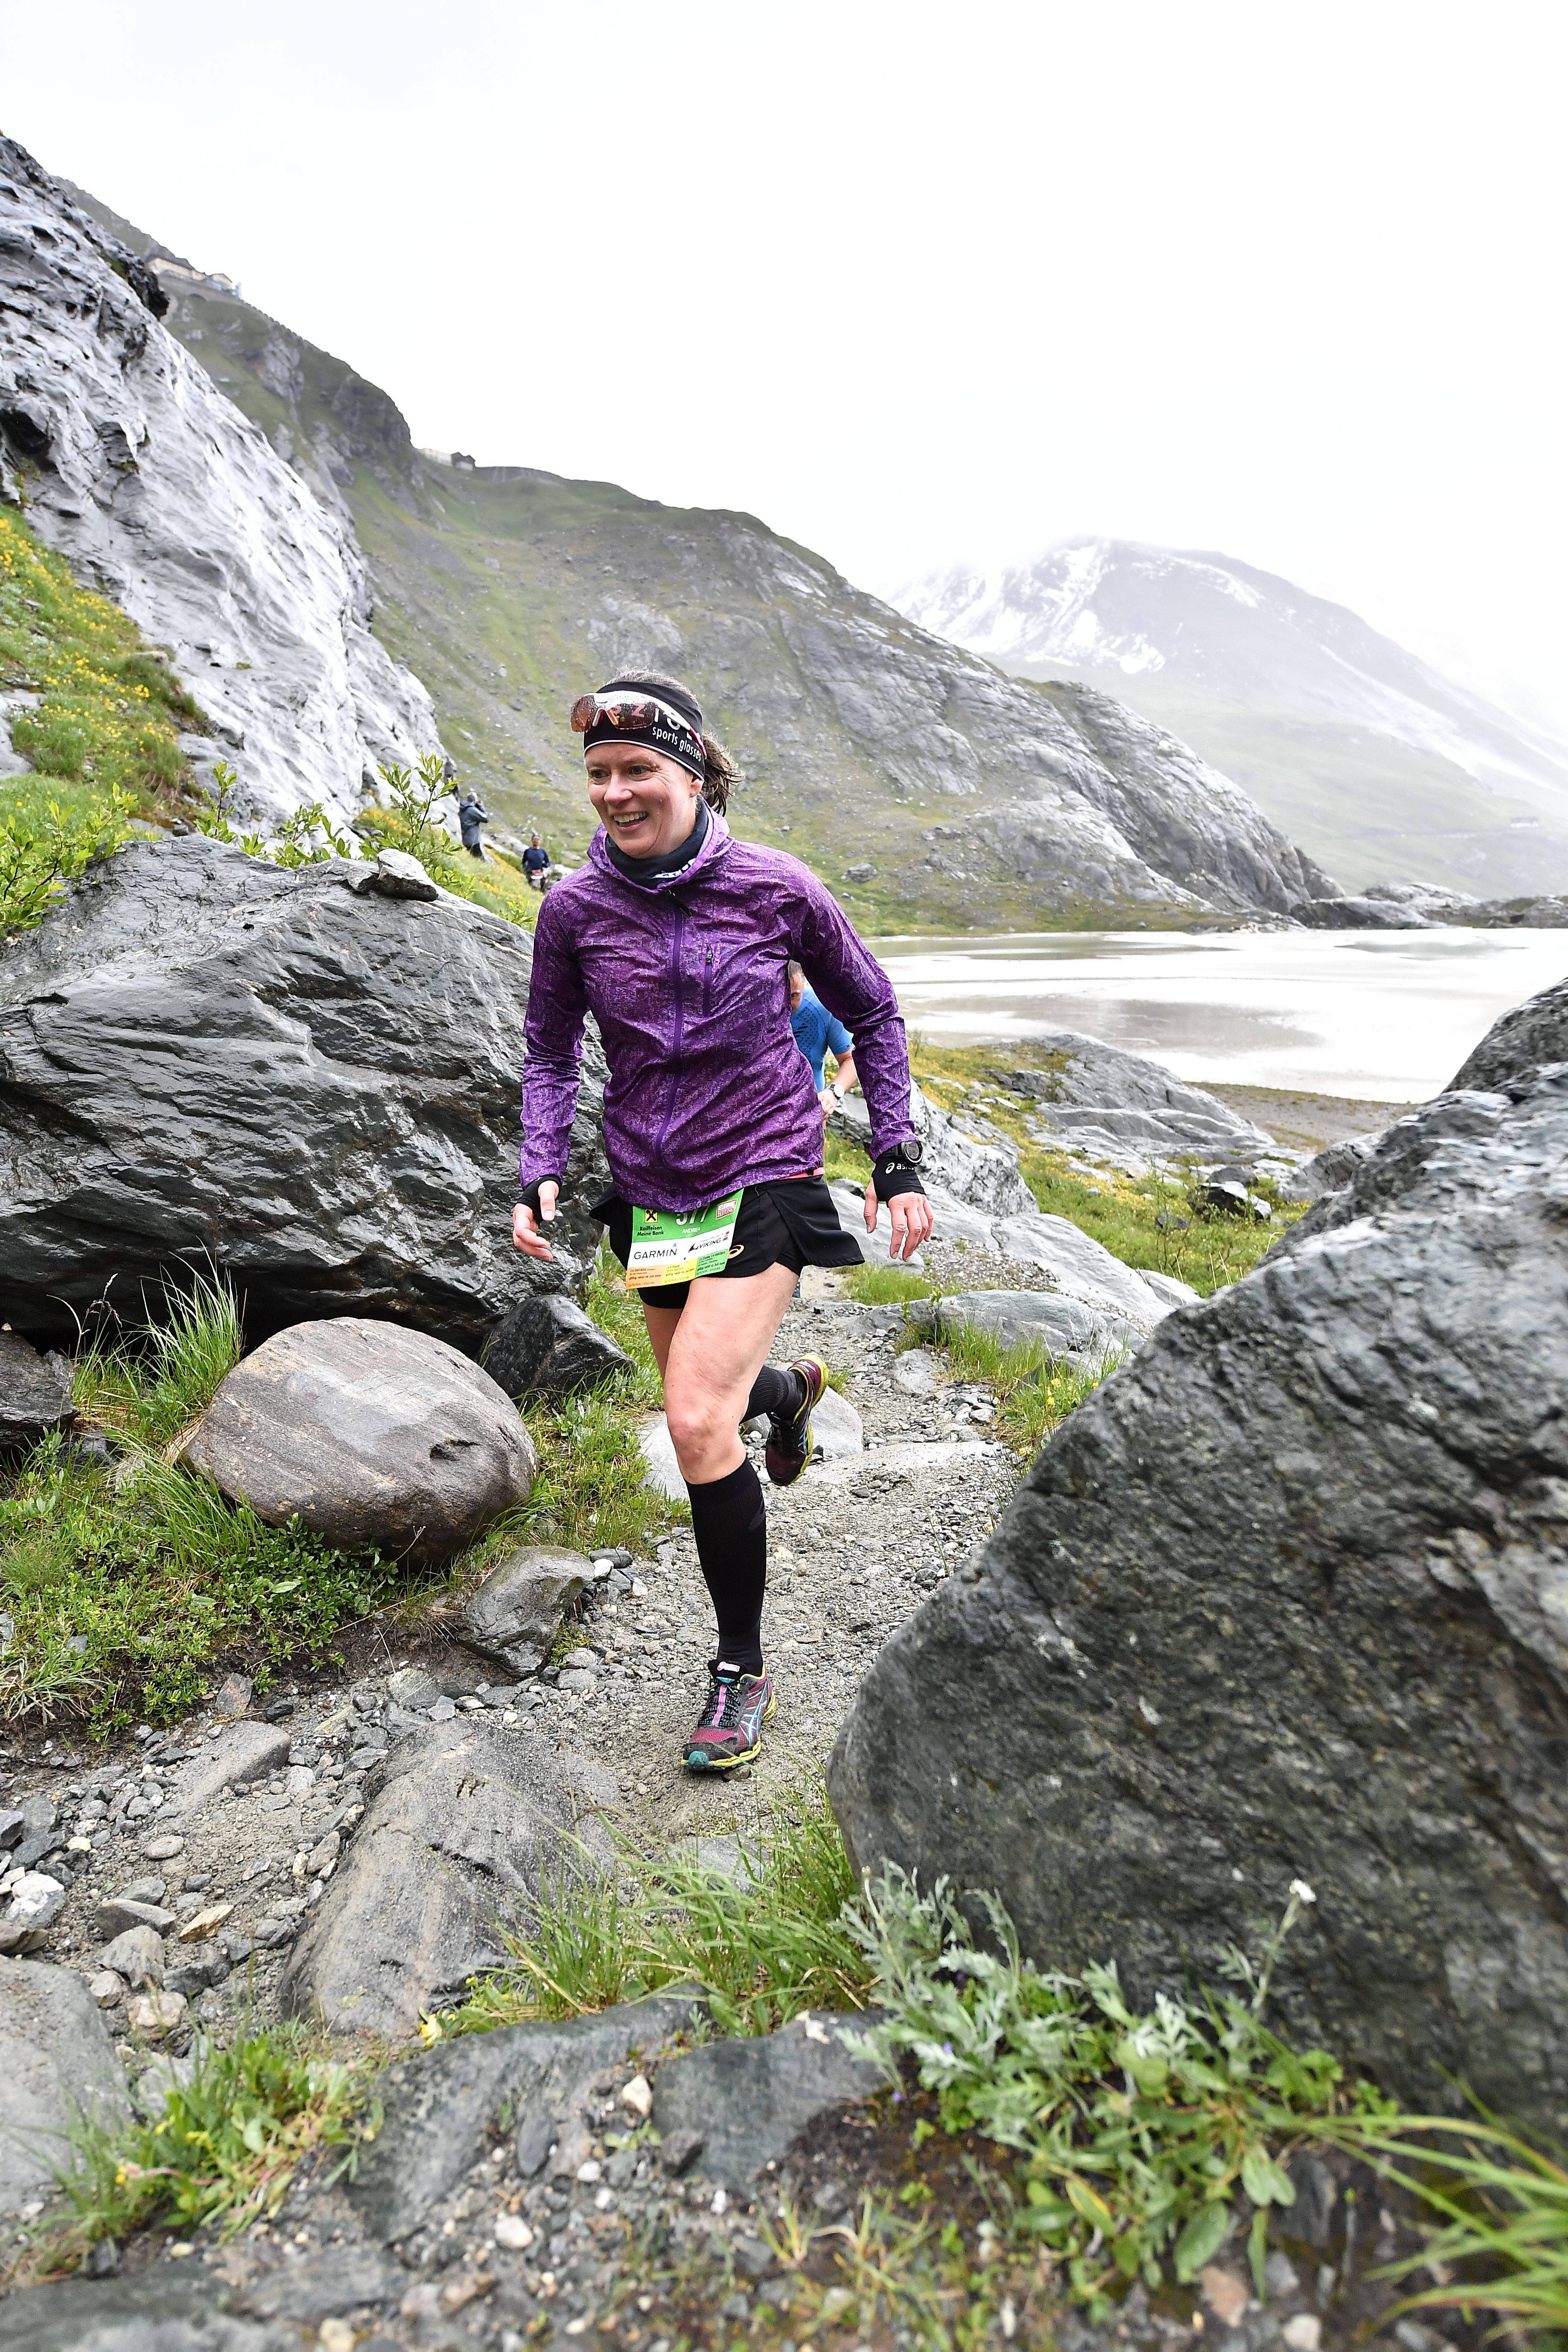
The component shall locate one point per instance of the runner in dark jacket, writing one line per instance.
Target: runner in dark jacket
(472, 818)
(678, 938)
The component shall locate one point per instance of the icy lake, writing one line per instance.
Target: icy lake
(1384, 1016)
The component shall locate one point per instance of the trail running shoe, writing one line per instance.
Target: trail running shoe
(730, 1729)
(789, 1437)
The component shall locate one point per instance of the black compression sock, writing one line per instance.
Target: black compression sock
(775, 1391)
(731, 1531)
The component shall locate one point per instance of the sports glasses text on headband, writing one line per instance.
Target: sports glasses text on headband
(638, 713)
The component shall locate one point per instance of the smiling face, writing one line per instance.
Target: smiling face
(646, 803)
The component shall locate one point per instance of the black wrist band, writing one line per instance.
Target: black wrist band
(892, 1175)
(528, 1197)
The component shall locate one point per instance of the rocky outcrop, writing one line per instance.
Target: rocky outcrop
(313, 1087)
(1534, 1033)
(375, 1439)
(461, 1825)
(540, 2082)
(1288, 1598)
(1112, 1105)
(171, 502)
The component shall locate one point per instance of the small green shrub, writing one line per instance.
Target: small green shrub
(1141, 2135)
(770, 1944)
(226, 2145)
(41, 852)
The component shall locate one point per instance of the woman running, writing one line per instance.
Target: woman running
(677, 938)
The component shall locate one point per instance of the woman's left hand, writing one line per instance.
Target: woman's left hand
(912, 1216)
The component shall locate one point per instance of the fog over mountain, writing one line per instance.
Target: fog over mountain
(928, 787)
(1374, 761)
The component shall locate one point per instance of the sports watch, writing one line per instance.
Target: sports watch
(895, 1172)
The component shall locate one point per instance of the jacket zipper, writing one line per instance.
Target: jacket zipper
(677, 932)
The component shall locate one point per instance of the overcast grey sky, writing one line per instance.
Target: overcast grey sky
(916, 283)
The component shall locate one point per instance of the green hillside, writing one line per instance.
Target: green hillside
(930, 791)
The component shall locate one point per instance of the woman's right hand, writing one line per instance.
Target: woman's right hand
(525, 1233)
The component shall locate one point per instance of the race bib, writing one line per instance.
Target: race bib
(670, 1248)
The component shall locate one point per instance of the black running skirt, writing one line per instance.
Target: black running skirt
(792, 1223)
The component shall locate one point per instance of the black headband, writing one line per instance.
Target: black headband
(675, 730)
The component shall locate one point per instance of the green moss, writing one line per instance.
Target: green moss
(102, 740)
(111, 708)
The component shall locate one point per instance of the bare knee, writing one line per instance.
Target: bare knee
(694, 1424)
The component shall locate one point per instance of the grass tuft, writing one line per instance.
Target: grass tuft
(225, 2147)
(1501, 2203)
(1143, 2137)
(768, 1944)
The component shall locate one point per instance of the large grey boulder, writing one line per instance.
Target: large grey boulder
(166, 499)
(513, 1617)
(1288, 1598)
(542, 2079)
(1112, 1105)
(546, 1346)
(1330, 1168)
(375, 1438)
(206, 1058)
(55, 2062)
(35, 1394)
(461, 1823)
(747, 2101)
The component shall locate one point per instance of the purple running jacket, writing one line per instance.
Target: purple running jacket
(708, 1089)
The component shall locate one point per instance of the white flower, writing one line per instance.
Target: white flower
(1301, 1891)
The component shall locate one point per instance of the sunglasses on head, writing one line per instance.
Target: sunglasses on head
(640, 713)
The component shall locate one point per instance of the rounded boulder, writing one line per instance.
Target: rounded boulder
(371, 1435)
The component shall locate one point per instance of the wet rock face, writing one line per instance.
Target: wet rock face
(1289, 1597)
(205, 1057)
(373, 1437)
(165, 497)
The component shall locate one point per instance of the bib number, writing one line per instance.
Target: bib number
(666, 1247)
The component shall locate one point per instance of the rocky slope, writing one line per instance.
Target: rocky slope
(135, 466)
(1372, 760)
(925, 785)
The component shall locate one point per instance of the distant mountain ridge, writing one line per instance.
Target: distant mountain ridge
(928, 788)
(1370, 756)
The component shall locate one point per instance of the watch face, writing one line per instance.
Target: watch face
(912, 1152)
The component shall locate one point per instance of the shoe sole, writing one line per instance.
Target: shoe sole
(727, 1763)
(794, 1467)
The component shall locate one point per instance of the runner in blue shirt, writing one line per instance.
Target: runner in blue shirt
(815, 1030)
